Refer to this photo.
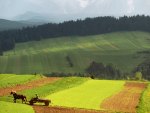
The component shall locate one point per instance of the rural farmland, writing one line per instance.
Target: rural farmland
(74, 56)
(76, 94)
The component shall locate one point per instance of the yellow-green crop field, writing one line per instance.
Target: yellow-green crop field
(88, 95)
(7, 107)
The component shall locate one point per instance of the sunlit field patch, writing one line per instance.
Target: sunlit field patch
(7, 107)
(88, 95)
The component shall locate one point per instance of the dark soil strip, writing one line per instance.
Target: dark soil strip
(126, 100)
(45, 109)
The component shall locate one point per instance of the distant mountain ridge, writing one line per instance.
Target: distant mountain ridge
(33, 17)
(18, 24)
(8, 24)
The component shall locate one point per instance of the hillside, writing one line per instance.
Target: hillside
(7, 24)
(49, 55)
(88, 26)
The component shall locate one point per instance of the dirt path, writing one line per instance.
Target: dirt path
(29, 85)
(127, 99)
(44, 109)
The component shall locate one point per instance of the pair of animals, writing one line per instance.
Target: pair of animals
(19, 96)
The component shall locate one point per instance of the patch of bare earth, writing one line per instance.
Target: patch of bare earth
(126, 100)
(36, 83)
(45, 109)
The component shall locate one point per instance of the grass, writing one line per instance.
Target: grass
(59, 85)
(7, 107)
(144, 105)
(7, 80)
(49, 55)
(45, 90)
(88, 95)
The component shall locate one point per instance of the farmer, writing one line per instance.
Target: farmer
(36, 97)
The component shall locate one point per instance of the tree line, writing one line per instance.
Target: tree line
(144, 68)
(89, 26)
(99, 70)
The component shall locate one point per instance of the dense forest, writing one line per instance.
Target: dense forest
(89, 26)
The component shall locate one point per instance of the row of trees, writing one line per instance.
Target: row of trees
(61, 74)
(144, 68)
(99, 70)
(89, 26)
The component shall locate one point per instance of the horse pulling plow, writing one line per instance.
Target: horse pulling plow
(32, 101)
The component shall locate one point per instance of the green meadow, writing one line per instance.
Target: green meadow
(7, 107)
(49, 55)
(144, 105)
(88, 95)
(7, 80)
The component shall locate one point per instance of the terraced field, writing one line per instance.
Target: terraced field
(49, 55)
(70, 94)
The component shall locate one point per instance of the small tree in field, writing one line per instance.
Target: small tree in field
(138, 76)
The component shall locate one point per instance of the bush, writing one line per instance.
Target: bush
(138, 76)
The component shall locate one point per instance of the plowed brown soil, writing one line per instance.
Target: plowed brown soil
(127, 99)
(29, 85)
(44, 109)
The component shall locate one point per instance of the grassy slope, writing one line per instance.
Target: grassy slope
(12, 79)
(47, 56)
(144, 105)
(7, 107)
(88, 95)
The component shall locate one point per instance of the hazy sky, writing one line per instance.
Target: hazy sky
(12, 8)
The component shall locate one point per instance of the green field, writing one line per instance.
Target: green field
(7, 107)
(64, 83)
(144, 105)
(7, 80)
(78, 92)
(6, 102)
(88, 95)
(49, 55)
(12, 79)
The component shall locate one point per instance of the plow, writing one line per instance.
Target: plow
(38, 100)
